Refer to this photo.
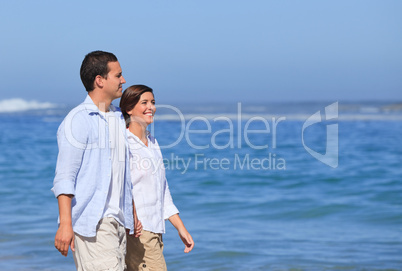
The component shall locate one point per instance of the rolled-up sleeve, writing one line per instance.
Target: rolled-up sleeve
(169, 208)
(72, 139)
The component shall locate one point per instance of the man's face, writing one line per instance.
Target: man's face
(113, 83)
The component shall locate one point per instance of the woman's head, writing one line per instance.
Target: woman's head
(138, 103)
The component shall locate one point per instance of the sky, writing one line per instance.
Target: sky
(207, 51)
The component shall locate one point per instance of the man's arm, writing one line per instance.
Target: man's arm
(137, 223)
(183, 233)
(64, 235)
(72, 138)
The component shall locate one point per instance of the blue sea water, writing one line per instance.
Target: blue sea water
(259, 201)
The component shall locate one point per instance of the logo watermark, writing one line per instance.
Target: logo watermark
(331, 155)
(240, 133)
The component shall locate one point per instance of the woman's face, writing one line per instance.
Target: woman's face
(143, 112)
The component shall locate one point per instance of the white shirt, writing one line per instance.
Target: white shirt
(114, 201)
(151, 194)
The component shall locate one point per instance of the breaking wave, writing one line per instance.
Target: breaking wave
(19, 105)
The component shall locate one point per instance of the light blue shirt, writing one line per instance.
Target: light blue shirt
(84, 167)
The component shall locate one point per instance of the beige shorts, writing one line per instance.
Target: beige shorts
(105, 251)
(145, 252)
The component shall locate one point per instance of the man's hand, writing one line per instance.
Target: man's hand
(65, 234)
(137, 223)
(137, 227)
(64, 239)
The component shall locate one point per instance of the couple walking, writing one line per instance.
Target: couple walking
(112, 210)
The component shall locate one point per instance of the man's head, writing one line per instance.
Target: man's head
(94, 64)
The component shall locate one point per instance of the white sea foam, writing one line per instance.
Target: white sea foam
(18, 105)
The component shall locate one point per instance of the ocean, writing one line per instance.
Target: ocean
(275, 186)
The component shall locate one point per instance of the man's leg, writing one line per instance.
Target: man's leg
(105, 251)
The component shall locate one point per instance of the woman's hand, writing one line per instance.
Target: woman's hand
(187, 240)
(183, 233)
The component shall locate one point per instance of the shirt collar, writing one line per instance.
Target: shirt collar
(134, 139)
(92, 108)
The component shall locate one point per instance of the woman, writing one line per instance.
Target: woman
(151, 193)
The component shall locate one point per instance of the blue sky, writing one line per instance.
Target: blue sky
(202, 51)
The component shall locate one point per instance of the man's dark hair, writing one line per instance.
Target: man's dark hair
(94, 64)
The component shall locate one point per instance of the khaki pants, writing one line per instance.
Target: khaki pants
(145, 252)
(105, 251)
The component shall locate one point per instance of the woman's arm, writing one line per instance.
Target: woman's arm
(183, 233)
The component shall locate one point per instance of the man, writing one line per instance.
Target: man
(92, 181)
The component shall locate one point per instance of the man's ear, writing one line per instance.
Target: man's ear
(99, 81)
